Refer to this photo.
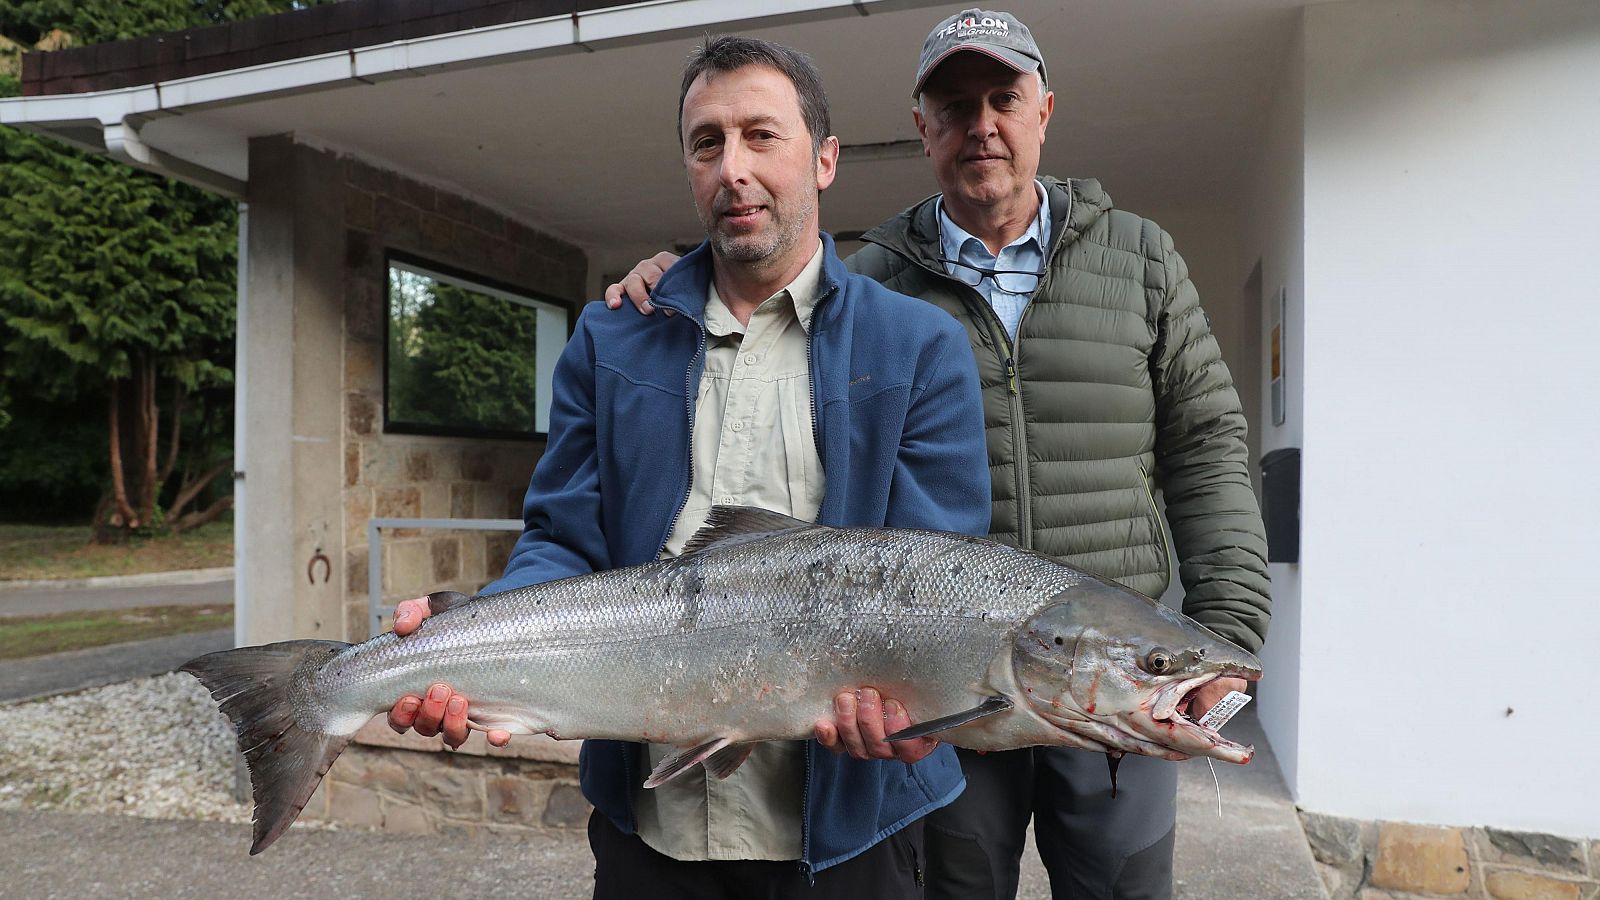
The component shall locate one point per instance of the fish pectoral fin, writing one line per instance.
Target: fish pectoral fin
(683, 760)
(933, 726)
(726, 761)
(511, 722)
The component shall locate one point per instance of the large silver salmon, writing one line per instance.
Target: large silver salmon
(745, 638)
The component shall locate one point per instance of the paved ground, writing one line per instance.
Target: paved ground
(39, 601)
(1255, 850)
(48, 855)
(74, 670)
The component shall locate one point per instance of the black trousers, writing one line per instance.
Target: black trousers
(626, 868)
(1094, 847)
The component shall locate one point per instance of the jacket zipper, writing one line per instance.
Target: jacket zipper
(627, 750)
(805, 824)
(688, 455)
(811, 363)
(1161, 525)
(1006, 352)
(816, 438)
(1019, 426)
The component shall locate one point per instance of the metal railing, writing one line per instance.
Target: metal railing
(375, 608)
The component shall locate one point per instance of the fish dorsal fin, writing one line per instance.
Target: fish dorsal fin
(439, 601)
(728, 525)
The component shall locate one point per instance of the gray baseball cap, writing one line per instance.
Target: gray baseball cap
(995, 34)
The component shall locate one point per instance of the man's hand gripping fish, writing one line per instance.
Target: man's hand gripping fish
(747, 637)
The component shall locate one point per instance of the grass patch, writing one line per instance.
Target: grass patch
(30, 552)
(24, 636)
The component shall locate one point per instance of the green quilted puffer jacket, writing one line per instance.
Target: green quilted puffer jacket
(1113, 383)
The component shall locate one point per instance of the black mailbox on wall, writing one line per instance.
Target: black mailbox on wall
(1280, 486)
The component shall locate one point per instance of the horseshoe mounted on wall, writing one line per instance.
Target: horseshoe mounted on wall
(311, 567)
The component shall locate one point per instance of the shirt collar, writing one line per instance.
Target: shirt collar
(801, 292)
(955, 238)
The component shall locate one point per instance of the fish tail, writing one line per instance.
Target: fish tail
(255, 688)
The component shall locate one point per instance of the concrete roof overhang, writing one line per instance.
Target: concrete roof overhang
(568, 122)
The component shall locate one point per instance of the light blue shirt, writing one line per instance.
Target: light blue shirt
(1025, 254)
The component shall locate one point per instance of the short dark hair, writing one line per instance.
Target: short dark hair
(730, 53)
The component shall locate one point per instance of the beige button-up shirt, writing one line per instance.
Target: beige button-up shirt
(753, 445)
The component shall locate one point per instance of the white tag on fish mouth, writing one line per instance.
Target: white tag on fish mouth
(1218, 716)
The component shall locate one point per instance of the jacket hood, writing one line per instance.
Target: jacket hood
(1074, 205)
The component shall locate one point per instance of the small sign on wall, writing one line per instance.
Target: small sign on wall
(1279, 400)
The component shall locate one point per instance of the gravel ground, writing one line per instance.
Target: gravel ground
(153, 747)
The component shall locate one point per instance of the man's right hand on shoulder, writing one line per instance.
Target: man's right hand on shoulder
(638, 283)
(442, 711)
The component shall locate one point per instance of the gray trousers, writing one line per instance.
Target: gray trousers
(1093, 846)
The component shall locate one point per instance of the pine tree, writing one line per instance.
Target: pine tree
(117, 292)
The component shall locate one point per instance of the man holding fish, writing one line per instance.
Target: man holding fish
(785, 383)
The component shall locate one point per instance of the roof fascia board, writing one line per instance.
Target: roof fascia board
(256, 82)
(103, 106)
(626, 24)
(481, 46)
(121, 112)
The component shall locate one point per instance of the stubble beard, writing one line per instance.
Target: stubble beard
(767, 246)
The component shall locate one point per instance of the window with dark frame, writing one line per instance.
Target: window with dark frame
(464, 356)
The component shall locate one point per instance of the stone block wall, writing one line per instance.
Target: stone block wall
(417, 792)
(425, 476)
(1383, 860)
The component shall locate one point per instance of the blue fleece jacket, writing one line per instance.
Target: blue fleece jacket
(899, 428)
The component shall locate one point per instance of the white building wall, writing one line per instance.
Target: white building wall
(1272, 235)
(1452, 215)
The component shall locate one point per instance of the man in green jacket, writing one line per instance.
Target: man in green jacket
(1101, 379)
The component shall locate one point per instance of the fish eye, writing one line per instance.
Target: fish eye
(1158, 661)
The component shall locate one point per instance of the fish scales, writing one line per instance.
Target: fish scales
(748, 637)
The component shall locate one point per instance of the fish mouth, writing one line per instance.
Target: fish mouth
(1168, 716)
(1160, 727)
(1087, 733)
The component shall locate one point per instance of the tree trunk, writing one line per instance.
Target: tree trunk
(102, 512)
(119, 487)
(149, 445)
(192, 490)
(196, 519)
(177, 429)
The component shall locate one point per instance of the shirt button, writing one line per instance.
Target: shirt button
(727, 499)
(751, 359)
(738, 426)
